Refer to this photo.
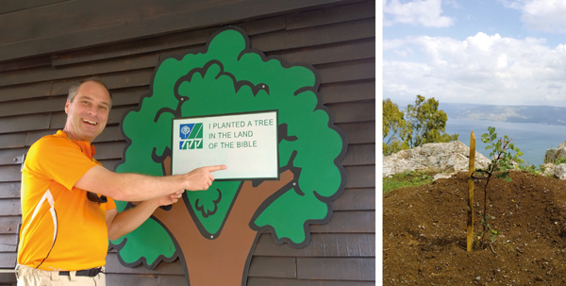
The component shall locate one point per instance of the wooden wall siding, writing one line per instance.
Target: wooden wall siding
(14, 5)
(80, 24)
(39, 61)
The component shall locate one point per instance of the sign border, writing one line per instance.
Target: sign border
(231, 114)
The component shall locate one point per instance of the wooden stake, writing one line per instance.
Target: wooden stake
(472, 160)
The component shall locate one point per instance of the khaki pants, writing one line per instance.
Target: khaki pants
(28, 276)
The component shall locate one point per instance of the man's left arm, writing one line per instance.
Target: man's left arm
(122, 223)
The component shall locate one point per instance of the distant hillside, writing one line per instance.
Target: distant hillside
(549, 115)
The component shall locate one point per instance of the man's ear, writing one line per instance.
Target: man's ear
(67, 106)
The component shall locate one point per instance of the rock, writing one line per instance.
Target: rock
(560, 172)
(434, 157)
(442, 176)
(552, 154)
(549, 169)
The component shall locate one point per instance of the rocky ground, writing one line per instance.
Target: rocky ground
(424, 233)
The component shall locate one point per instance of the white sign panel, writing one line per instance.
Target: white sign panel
(245, 142)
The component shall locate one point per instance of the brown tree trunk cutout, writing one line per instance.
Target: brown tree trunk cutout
(220, 261)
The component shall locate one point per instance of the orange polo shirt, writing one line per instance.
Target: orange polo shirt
(61, 229)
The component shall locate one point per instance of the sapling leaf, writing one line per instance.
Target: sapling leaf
(501, 162)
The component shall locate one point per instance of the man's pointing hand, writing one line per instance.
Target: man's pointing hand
(201, 178)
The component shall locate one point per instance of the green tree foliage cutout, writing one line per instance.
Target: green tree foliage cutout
(420, 123)
(231, 78)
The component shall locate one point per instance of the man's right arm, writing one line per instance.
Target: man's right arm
(138, 187)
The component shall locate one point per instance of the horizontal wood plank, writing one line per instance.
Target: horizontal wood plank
(58, 121)
(258, 281)
(39, 105)
(358, 111)
(35, 90)
(347, 71)
(359, 132)
(117, 114)
(76, 30)
(134, 78)
(10, 173)
(166, 42)
(8, 242)
(76, 16)
(8, 260)
(347, 92)
(110, 134)
(16, 140)
(346, 51)
(34, 62)
(9, 224)
(113, 150)
(133, 47)
(281, 267)
(49, 73)
(24, 123)
(10, 207)
(328, 34)
(355, 200)
(362, 154)
(362, 269)
(8, 278)
(180, 53)
(15, 5)
(334, 15)
(348, 222)
(12, 156)
(128, 96)
(321, 245)
(360, 176)
(9, 190)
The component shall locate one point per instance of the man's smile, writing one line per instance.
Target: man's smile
(90, 122)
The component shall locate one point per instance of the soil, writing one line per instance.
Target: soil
(424, 233)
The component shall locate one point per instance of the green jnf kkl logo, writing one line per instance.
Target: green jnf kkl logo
(191, 136)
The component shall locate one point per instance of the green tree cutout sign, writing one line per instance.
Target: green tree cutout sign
(214, 232)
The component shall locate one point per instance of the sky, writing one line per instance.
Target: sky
(501, 52)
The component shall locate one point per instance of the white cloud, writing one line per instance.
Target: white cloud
(542, 15)
(483, 68)
(418, 12)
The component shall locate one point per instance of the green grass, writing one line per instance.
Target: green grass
(560, 161)
(406, 179)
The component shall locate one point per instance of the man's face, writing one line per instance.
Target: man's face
(88, 113)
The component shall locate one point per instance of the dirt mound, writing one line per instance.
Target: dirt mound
(424, 233)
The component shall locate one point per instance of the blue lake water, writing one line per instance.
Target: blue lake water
(532, 139)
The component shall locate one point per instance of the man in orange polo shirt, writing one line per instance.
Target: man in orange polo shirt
(68, 211)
